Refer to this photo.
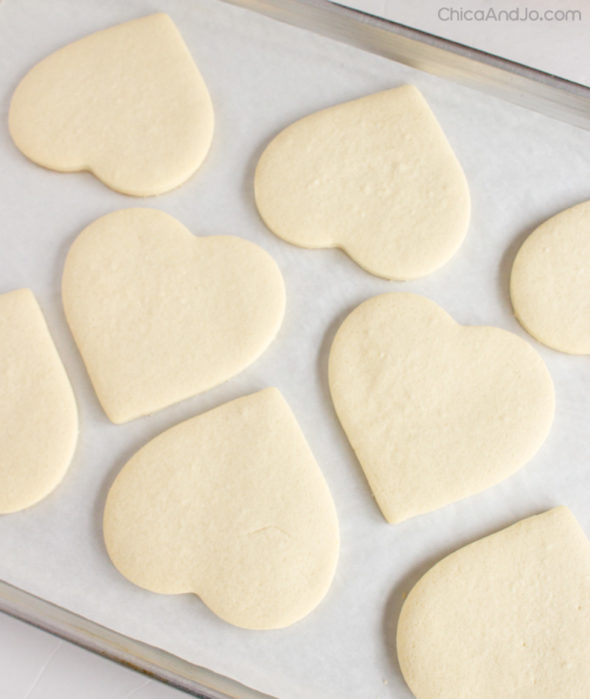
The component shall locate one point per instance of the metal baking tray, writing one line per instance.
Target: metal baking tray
(528, 87)
(525, 86)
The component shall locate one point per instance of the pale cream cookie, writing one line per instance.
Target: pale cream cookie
(38, 414)
(435, 411)
(127, 103)
(505, 616)
(232, 506)
(375, 177)
(550, 281)
(160, 315)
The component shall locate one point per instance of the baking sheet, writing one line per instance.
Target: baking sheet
(522, 167)
(557, 45)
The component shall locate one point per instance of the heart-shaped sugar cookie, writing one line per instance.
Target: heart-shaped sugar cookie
(506, 616)
(435, 411)
(232, 506)
(38, 415)
(159, 314)
(375, 177)
(550, 281)
(126, 103)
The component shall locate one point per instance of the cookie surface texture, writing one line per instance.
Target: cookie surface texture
(434, 410)
(160, 314)
(505, 616)
(232, 506)
(550, 281)
(38, 412)
(375, 177)
(127, 103)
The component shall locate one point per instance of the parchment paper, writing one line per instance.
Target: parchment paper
(522, 168)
